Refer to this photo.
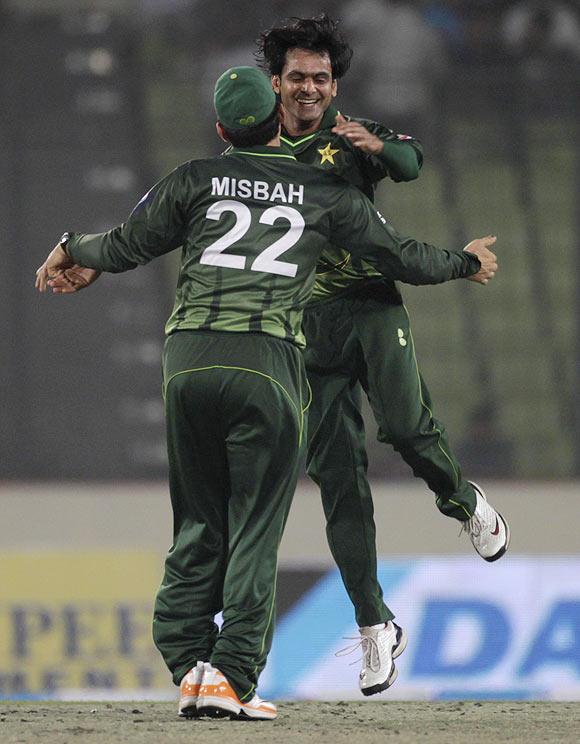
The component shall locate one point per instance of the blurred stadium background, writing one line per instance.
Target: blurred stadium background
(100, 100)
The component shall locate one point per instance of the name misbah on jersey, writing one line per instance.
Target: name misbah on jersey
(244, 188)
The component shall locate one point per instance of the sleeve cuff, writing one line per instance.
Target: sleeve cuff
(72, 245)
(474, 264)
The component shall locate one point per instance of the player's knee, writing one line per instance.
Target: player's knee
(407, 433)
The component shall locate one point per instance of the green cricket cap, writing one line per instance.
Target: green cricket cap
(243, 97)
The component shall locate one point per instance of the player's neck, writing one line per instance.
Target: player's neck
(275, 142)
(298, 127)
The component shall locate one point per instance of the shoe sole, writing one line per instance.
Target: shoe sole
(383, 685)
(506, 545)
(188, 708)
(251, 715)
(401, 642)
(215, 707)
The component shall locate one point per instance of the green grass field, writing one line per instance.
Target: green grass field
(298, 722)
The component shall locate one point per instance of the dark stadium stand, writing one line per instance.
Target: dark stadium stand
(93, 107)
(78, 161)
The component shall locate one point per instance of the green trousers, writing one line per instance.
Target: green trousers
(234, 410)
(369, 341)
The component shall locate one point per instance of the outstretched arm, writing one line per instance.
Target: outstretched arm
(364, 232)
(155, 226)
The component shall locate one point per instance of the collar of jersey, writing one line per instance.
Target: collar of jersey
(262, 151)
(327, 122)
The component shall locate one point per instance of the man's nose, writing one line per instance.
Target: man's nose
(308, 86)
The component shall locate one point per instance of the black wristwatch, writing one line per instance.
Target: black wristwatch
(64, 238)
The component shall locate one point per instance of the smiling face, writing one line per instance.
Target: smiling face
(306, 88)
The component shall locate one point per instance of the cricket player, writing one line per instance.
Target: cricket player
(358, 334)
(252, 224)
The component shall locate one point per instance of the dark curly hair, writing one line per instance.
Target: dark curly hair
(319, 34)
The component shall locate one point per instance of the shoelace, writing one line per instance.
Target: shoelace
(370, 651)
(482, 519)
(472, 526)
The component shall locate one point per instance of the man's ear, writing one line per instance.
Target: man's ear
(221, 132)
(334, 88)
(276, 84)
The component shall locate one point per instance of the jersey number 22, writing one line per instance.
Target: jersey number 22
(267, 260)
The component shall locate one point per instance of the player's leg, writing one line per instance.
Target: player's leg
(402, 406)
(350, 530)
(336, 456)
(403, 410)
(337, 461)
(191, 591)
(264, 432)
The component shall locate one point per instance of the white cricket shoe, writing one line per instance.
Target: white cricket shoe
(380, 647)
(487, 529)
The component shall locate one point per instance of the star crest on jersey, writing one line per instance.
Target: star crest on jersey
(327, 153)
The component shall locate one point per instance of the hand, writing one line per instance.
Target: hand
(73, 279)
(54, 266)
(487, 259)
(358, 135)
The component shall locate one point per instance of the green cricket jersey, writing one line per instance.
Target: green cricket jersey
(338, 271)
(252, 224)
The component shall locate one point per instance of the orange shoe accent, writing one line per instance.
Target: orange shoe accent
(217, 698)
(189, 691)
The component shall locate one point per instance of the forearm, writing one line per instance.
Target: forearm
(426, 264)
(400, 159)
(109, 251)
(413, 262)
(399, 257)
